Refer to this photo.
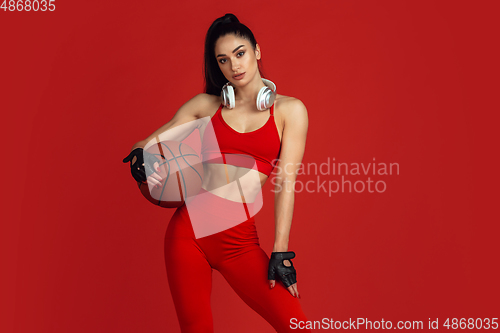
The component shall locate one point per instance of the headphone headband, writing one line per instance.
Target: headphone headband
(265, 97)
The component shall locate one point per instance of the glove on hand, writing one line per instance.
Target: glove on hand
(287, 275)
(144, 160)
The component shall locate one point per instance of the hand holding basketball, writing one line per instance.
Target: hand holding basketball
(155, 179)
(168, 172)
(140, 161)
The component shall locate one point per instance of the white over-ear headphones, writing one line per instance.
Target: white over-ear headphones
(265, 98)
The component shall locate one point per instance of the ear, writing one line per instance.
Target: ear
(257, 52)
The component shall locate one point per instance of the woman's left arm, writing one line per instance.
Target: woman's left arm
(293, 144)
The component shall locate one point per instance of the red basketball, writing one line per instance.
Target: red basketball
(181, 171)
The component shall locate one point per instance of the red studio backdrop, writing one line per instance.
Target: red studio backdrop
(407, 85)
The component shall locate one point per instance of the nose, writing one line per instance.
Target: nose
(235, 65)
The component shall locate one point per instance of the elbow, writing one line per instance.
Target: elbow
(139, 144)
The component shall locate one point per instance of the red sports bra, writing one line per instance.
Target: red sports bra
(263, 144)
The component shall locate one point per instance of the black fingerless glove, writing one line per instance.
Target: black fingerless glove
(286, 274)
(144, 161)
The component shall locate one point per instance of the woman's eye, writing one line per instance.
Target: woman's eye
(222, 61)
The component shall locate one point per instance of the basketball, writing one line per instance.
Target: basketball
(181, 171)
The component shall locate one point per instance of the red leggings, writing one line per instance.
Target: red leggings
(237, 255)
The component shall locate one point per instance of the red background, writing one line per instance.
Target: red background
(408, 83)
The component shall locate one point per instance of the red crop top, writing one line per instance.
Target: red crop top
(263, 144)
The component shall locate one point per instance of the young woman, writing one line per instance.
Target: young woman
(250, 121)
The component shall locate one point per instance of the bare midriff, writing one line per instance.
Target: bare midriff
(232, 182)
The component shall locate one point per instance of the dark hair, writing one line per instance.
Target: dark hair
(227, 24)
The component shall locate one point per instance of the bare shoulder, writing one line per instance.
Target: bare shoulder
(205, 104)
(289, 108)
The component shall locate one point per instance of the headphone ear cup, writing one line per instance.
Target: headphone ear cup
(227, 96)
(231, 98)
(265, 98)
(261, 102)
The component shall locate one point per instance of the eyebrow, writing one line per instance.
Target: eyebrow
(236, 49)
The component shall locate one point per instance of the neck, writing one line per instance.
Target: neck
(248, 93)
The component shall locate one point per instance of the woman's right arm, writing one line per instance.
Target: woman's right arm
(182, 124)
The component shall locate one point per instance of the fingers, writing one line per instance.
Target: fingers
(271, 272)
(139, 176)
(293, 290)
(130, 157)
(154, 179)
(127, 159)
(288, 279)
(148, 168)
(296, 290)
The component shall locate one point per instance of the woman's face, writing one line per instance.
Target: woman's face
(235, 55)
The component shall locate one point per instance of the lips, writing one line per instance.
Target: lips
(238, 76)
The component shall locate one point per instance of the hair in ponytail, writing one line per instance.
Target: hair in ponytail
(227, 24)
